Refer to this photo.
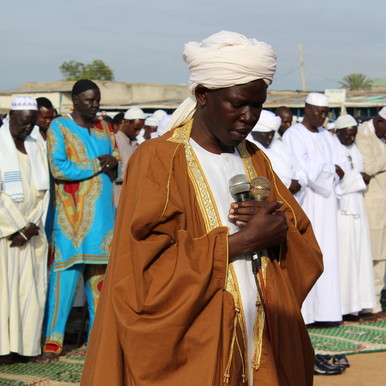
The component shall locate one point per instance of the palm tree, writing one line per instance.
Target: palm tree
(355, 82)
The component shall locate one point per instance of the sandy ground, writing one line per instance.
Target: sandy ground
(365, 370)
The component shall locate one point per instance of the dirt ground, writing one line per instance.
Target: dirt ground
(365, 370)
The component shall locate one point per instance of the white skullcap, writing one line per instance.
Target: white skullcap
(330, 125)
(159, 114)
(345, 121)
(24, 103)
(317, 99)
(382, 113)
(224, 59)
(134, 113)
(151, 121)
(267, 122)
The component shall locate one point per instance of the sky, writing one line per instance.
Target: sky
(142, 41)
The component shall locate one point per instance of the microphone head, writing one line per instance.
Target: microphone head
(239, 184)
(260, 188)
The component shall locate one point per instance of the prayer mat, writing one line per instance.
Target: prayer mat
(349, 338)
(66, 371)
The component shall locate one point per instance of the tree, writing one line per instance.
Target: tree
(96, 70)
(355, 82)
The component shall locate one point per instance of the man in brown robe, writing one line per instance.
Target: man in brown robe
(171, 312)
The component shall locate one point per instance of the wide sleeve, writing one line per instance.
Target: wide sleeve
(165, 282)
(11, 218)
(374, 162)
(319, 174)
(64, 161)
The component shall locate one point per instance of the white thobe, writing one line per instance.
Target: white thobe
(218, 169)
(126, 148)
(284, 164)
(317, 155)
(355, 257)
(23, 270)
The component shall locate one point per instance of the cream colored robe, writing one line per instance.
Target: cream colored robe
(23, 270)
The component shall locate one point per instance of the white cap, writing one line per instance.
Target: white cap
(267, 122)
(345, 121)
(317, 99)
(24, 103)
(152, 121)
(382, 113)
(330, 125)
(134, 113)
(159, 114)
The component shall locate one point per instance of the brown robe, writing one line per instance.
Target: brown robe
(164, 316)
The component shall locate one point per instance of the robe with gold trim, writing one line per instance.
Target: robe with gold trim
(166, 315)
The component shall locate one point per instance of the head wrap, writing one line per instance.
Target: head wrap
(159, 114)
(152, 121)
(24, 103)
(382, 113)
(345, 121)
(222, 60)
(267, 122)
(134, 113)
(317, 99)
(83, 85)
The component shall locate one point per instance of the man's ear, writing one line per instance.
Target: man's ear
(75, 100)
(201, 94)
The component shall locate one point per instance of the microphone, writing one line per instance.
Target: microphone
(260, 188)
(239, 187)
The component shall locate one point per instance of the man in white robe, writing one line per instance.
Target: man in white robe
(371, 142)
(24, 196)
(283, 162)
(355, 257)
(127, 142)
(316, 153)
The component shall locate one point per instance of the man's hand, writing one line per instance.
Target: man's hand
(262, 226)
(18, 240)
(294, 187)
(366, 178)
(339, 171)
(108, 164)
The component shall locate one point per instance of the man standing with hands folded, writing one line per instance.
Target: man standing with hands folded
(83, 158)
(180, 304)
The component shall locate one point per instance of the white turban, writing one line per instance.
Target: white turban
(345, 121)
(24, 103)
(382, 113)
(317, 99)
(222, 60)
(268, 122)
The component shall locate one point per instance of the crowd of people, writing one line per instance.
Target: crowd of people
(190, 270)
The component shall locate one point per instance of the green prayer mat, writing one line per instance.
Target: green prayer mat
(350, 338)
(66, 371)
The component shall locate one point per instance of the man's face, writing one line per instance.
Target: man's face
(347, 135)
(86, 104)
(286, 121)
(315, 115)
(229, 114)
(45, 117)
(132, 127)
(22, 123)
(265, 138)
(380, 127)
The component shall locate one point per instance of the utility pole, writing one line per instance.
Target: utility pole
(304, 86)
